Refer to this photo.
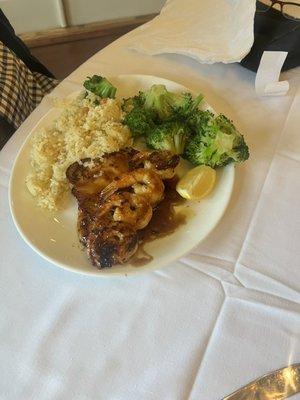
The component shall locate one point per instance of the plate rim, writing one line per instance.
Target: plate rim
(98, 272)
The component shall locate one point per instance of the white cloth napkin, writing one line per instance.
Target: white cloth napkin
(207, 30)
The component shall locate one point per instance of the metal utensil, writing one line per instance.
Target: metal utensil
(277, 385)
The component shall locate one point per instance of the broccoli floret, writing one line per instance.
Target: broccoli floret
(166, 105)
(199, 119)
(170, 136)
(100, 86)
(216, 142)
(138, 121)
(183, 104)
(240, 151)
(157, 101)
(131, 102)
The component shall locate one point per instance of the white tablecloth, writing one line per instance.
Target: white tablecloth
(198, 329)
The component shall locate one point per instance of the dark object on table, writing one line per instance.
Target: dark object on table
(14, 43)
(274, 32)
(24, 81)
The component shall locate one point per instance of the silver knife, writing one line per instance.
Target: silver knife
(277, 385)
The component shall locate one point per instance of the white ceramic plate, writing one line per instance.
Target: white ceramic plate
(54, 236)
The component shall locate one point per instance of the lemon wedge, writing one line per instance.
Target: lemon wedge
(197, 183)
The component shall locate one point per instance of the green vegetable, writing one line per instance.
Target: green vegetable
(165, 105)
(157, 101)
(139, 122)
(170, 136)
(215, 142)
(174, 122)
(199, 119)
(183, 104)
(135, 101)
(100, 86)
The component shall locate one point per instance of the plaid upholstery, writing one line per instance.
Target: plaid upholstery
(21, 90)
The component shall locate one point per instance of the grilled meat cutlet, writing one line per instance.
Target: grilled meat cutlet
(111, 244)
(115, 197)
(91, 176)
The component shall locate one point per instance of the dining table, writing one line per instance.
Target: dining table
(200, 328)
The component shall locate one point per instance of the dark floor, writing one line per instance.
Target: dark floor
(61, 59)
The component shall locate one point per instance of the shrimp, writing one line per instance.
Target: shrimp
(127, 207)
(141, 181)
(162, 162)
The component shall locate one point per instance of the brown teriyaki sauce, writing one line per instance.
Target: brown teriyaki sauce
(165, 221)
